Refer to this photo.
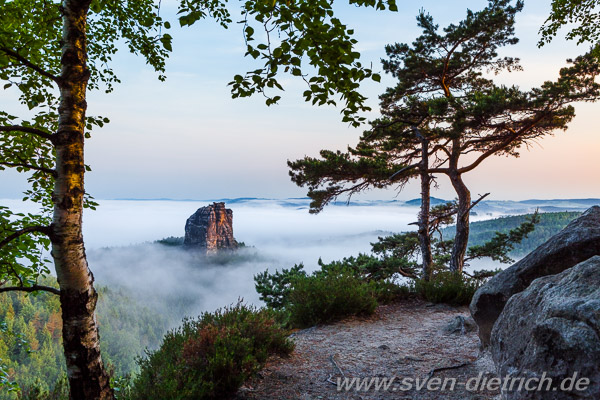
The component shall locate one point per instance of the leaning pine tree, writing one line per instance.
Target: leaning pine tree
(445, 106)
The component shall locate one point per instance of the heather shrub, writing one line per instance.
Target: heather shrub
(212, 356)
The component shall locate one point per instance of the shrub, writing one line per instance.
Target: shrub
(387, 292)
(447, 287)
(370, 267)
(274, 289)
(211, 357)
(326, 297)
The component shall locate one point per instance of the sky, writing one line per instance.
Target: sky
(187, 139)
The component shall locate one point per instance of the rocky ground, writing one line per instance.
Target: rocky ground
(407, 340)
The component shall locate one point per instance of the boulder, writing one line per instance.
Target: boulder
(210, 229)
(579, 241)
(553, 328)
(460, 325)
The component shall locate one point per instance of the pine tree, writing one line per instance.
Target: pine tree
(444, 106)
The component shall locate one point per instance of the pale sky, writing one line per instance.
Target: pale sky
(187, 139)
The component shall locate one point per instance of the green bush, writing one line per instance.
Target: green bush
(274, 289)
(387, 292)
(447, 287)
(329, 296)
(211, 357)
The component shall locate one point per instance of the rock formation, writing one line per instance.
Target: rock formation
(210, 229)
(552, 327)
(579, 241)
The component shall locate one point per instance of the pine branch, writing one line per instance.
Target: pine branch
(498, 247)
(504, 144)
(476, 202)
(409, 167)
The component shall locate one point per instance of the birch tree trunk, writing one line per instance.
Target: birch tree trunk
(87, 377)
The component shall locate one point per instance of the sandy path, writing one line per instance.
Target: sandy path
(404, 340)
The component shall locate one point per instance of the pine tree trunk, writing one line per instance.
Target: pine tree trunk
(87, 377)
(424, 238)
(461, 238)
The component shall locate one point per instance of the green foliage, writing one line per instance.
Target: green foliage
(388, 291)
(326, 295)
(330, 295)
(60, 391)
(274, 289)
(549, 224)
(447, 287)
(352, 286)
(446, 105)
(211, 357)
(177, 241)
(30, 61)
(501, 244)
(22, 260)
(30, 346)
(483, 275)
(326, 177)
(399, 252)
(582, 16)
(372, 267)
(309, 39)
(122, 386)
(440, 95)
(339, 290)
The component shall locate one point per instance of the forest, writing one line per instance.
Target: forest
(32, 358)
(548, 226)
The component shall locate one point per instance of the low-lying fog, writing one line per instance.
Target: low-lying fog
(120, 233)
(280, 236)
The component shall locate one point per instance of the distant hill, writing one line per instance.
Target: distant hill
(549, 225)
(486, 207)
(434, 202)
(588, 202)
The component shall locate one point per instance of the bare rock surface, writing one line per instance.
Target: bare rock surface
(553, 327)
(579, 241)
(403, 340)
(460, 325)
(210, 229)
